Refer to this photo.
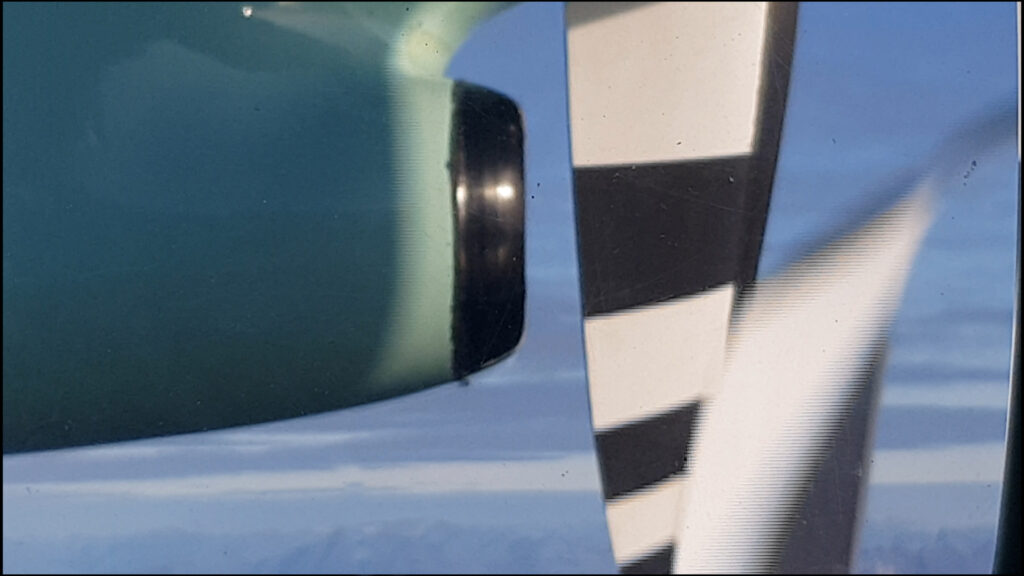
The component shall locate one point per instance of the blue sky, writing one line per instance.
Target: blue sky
(500, 475)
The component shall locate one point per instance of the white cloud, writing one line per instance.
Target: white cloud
(957, 464)
(957, 395)
(247, 442)
(575, 472)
